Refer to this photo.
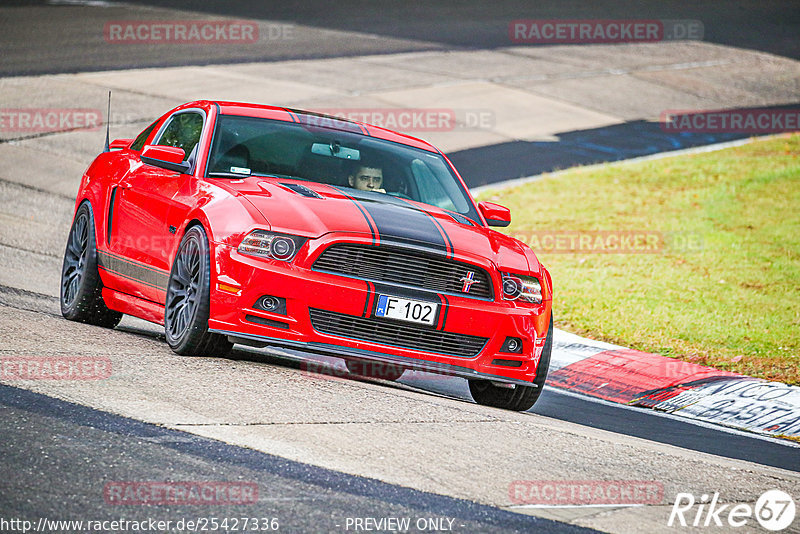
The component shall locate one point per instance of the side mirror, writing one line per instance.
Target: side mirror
(166, 157)
(119, 144)
(495, 214)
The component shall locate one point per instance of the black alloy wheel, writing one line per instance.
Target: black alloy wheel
(187, 302)
(81, 288)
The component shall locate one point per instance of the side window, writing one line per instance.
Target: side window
(183, 131)
(430, 189)
(138, 143)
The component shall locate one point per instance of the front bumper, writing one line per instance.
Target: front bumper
(239, 281)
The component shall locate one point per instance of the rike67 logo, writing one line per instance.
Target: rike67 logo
(774, 510)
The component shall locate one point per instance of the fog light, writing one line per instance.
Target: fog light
(271, 304)
(512, 345)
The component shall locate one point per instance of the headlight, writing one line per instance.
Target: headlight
(269, 245)
(524, 288)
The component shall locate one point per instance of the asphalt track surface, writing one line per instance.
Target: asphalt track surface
(33, 34)
(52, 449)
(62, 36)
(555, 403)
(589, 412)
(58, 455)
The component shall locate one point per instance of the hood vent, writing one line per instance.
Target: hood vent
(301, 190)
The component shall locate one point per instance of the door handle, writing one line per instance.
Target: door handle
(124, 185)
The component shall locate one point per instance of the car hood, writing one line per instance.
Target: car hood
(312, 210)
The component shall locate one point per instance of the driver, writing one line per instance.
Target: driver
(367, 177)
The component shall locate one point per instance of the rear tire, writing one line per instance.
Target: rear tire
(81, 288)
(187, 303)
(386, 371)
(520, 398)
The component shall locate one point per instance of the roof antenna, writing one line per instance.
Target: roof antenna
(108, 122)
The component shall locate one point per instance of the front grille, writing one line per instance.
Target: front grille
(403, 335)
(409, 268)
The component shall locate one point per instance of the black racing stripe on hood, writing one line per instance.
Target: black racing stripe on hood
(399, 221)
(360, 208)
(451, 250)
(449, 242)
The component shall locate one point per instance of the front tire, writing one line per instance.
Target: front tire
(81, 288)
(187, 303)
(520, 398)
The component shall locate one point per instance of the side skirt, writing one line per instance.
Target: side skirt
(138, 307)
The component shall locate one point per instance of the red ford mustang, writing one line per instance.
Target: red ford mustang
(241, 223)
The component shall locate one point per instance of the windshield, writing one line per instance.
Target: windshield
(244, 146)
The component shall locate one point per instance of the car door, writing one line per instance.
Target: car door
(149, 207)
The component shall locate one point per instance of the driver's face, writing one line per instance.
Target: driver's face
(367, 179)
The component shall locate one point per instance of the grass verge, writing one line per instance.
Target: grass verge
(720, 283)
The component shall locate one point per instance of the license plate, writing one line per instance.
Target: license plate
(414, 311)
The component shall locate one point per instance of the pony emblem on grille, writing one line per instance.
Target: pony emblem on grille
(468, 281)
